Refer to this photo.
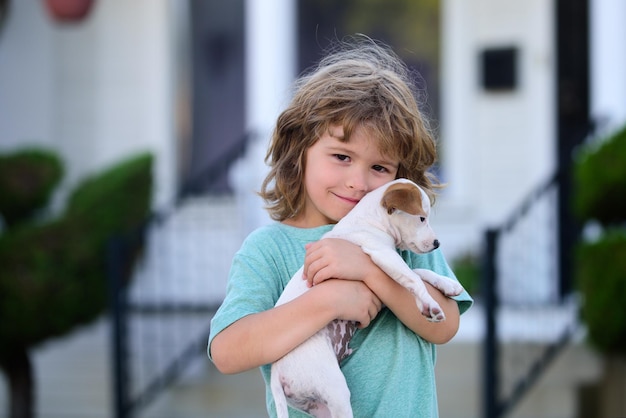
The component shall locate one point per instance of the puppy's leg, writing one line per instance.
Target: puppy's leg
(395, 267)
(338, 398)
(280, 400)
(446, 285)
(296, 287)
(429, 307)
(309, 378)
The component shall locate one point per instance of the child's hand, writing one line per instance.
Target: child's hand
(353, 301)
(333, 258)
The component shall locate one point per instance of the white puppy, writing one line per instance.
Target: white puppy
(392, 216)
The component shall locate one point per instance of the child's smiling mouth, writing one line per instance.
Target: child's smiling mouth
(350, 200)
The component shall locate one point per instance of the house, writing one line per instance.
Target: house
(125, 79)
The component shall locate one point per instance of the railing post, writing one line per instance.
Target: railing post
(117, 300)
(490, 350)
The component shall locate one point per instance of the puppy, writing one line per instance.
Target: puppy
(393, 216)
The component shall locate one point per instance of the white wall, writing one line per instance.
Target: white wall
(608, 63)
(26, 76)
(496, 145)
(96, 91)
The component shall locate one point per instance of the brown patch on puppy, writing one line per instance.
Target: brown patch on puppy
(404, 197)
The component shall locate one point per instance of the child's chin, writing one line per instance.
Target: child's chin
(339, 217)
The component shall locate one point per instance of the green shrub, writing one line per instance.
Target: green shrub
(467, 269)
(48, 276)
(600, 176)
(601, 277)
(116, 200)
(600, 266)
(27, 179)
(53, 275)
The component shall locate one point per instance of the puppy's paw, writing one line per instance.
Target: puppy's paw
(433, 312)
(451, 287)
(446, 285)
(436, 315)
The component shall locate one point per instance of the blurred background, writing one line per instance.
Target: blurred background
(132, 139)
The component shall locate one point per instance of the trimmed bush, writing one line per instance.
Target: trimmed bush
(600, 176)
(53, 275)
(27, 179)
(467, 269)
(116, 200)
(600, 266)
(601, 280)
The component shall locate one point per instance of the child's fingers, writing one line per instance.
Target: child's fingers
(360, 303)
(319, 272)
(310, 256)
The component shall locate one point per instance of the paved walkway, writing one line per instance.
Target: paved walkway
(459, 388)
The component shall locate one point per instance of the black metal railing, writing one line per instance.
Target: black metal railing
(143, 328)
(503, 388)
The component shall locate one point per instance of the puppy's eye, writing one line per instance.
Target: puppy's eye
(422, 218)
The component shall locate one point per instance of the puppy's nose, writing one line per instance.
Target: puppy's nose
(436, 244)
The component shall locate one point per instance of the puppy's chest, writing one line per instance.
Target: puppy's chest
(340, 333)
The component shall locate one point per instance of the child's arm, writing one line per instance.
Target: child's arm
(262, 338)
(341, 259)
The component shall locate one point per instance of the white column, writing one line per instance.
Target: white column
(608, 63)
(270, 70)
(270, 59)
(457, 98)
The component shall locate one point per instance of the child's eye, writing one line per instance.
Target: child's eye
(380, 169)
(342, 157)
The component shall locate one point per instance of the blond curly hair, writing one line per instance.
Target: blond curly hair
(360, 82)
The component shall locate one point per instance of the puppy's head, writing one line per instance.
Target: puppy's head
(408, 208)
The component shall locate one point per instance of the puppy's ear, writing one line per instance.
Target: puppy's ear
(403, 196)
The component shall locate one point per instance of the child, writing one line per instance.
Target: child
(352, 126)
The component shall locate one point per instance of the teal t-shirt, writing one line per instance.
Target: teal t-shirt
(391, 370)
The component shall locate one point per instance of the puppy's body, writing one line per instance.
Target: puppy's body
(392, 216)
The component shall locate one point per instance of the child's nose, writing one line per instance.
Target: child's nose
(357, 181)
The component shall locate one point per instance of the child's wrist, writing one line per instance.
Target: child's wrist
(326, 299)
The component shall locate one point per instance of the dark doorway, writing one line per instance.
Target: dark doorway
(410, 27)
(217, 48)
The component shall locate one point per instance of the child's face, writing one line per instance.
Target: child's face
(338, 174)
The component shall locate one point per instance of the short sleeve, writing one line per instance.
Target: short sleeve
(250, 289)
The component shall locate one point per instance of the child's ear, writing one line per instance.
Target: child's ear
(403, 196)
